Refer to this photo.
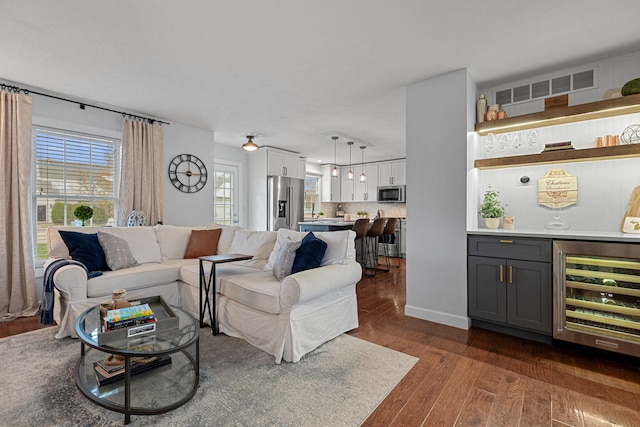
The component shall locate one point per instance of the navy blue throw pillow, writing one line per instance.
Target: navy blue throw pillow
(85, 248)
(309, 254)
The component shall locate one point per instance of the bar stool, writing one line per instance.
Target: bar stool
(360, 227)
(371, 242)
(388, 235)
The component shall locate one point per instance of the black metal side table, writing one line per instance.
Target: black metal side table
(207, 286)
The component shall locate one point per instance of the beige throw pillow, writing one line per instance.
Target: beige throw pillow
(284, 260)
(116, 251)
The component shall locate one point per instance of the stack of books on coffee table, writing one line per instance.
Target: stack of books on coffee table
(107, 371)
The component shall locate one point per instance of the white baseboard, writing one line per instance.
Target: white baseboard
(460, 322)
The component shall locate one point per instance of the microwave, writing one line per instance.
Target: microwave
(392, 194)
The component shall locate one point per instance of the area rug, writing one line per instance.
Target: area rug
(338, 384)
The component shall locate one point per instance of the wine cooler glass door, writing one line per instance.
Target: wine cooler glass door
(598, 295)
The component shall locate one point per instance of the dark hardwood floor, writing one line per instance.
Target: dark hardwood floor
(483, 378)
(478, 377)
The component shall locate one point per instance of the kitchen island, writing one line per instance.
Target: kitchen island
(326, 225)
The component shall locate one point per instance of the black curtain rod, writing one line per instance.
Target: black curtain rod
(82, 105)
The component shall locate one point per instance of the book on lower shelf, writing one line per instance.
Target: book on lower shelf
(107, 374)
(554, 146)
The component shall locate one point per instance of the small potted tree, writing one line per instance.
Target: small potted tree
(491, 208)
(83, 213)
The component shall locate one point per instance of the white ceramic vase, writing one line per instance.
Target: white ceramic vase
(492, 222)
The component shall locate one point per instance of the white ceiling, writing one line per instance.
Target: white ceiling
(295, 70)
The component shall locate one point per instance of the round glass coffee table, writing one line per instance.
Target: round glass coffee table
(162, 388)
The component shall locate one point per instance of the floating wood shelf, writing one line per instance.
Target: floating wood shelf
(593, 110)
(561, 156)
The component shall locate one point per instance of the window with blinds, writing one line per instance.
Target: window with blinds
(72, 169)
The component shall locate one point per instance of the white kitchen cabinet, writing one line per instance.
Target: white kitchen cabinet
(284, 164)
(346, 186)
(330, 186)
(366, 191)
(392, 173)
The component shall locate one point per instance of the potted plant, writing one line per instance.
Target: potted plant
(362, 214)
(491, 208)
(320, 214)
(83, 213)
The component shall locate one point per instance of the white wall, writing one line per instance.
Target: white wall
(438, 117)
(188, 208)
(611, 73)
(180, 208)
(604, 187)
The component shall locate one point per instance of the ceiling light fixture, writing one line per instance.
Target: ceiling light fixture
(334, 171)
(363, 176)
(350, 173)
(250, 145)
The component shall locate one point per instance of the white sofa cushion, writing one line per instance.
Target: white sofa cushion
(256, 243)
(173, 239)
(226, 237)
(141, 276)
(190, 273)
(260, 291)
(141, 240)
(341, 248)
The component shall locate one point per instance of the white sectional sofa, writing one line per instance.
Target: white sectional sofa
(285, 318)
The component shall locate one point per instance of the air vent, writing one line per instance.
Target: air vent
(560, 85)
(557, 85)
(583, 80)
(520, 93)
(540, 89)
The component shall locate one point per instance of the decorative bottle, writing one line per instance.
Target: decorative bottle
(481, 106)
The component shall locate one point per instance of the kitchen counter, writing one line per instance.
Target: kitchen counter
(605, 236)
(324, 225)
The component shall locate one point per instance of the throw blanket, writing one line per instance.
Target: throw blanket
(46, 307)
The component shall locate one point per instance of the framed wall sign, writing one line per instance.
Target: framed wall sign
(558, 189)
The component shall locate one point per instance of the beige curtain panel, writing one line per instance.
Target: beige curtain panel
(17, 277)
(141, 185)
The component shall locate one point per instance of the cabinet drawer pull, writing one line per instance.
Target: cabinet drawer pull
(501, 273)
(506, 241)
(510, 274)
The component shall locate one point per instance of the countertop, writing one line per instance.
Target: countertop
(325, 222)
(607, 236)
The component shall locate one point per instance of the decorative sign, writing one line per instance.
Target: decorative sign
(558, 189)
(631, 225)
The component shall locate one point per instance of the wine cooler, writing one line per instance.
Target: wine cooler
(597, 295)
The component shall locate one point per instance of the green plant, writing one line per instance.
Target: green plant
(320, 213)
(491, 206)
(83, 213)
(362, 213)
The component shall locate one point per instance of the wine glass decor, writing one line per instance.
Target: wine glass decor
(557, 189)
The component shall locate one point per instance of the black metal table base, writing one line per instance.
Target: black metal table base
(208, 303)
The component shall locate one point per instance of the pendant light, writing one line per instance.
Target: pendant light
(363, 176)
(334, 171)
(250, 145)
(350, 173)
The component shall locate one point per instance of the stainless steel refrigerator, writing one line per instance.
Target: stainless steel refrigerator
(285, 199)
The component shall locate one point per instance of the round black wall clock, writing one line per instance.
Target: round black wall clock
(187, 173)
